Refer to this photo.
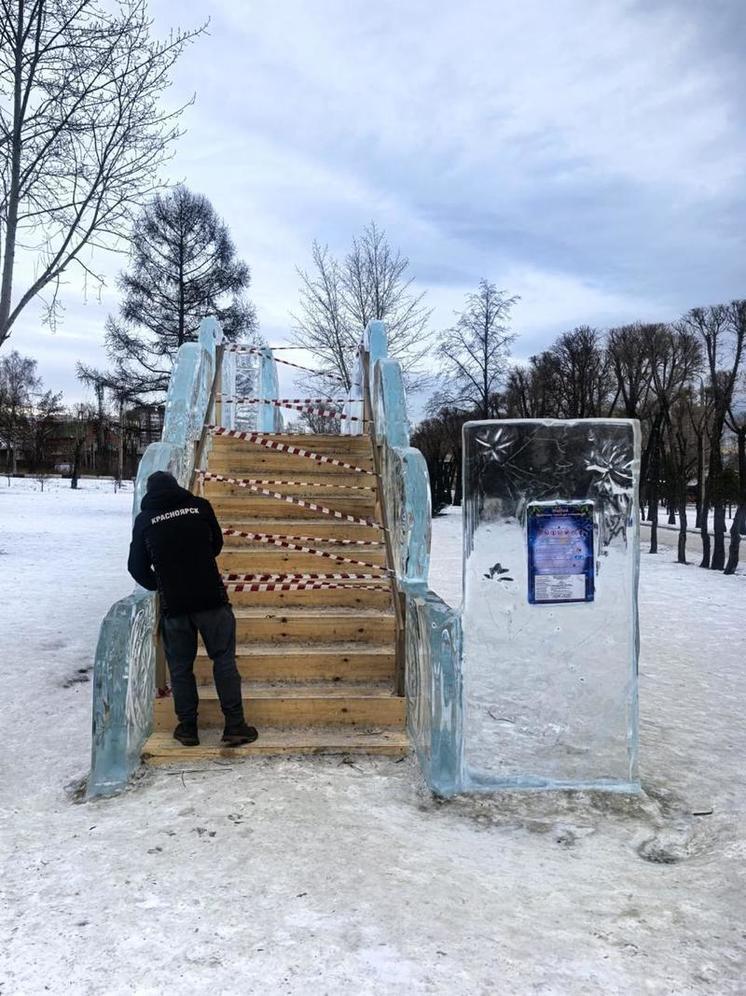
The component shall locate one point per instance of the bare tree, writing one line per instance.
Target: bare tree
(736, 422)
(376, 286)
(474, 352)
(122, 393)
(324, 325)
(83, 135)
(439, 440)
(722, 331)
(18, 384)
(532, 391)
(338, 299)
(675, 357)
(583, 376)
(43, 425)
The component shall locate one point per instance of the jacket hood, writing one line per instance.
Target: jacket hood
(164, 492)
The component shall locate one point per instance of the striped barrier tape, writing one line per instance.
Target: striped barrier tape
(260, 439)
(244, 482)
(289, 401)
(301, 586)
(230, 531)
(277, 541)
(302, 503)
(302, 576)
(234, 347)
(308, 409)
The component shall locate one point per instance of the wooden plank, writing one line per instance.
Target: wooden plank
(270, 463)
(269, 559)
(161, 748)
(285, 709)
(252, 506)
(336, 598)
(327, 527)
(341, 446)
(299, 487)
(291, 663)
(314, 626)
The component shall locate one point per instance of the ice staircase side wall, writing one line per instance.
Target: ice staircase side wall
(432, 637)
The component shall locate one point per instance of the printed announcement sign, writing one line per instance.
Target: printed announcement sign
(560, 552)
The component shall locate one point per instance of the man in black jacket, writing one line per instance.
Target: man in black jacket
(175, 541)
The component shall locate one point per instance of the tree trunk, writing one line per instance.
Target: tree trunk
(715, 490)
(704, 531)
(120, 448)
(700, 479)
(654, 481)
(13, 190)
(76, 464)
(457, 486)
(739, 522)
(682, 521)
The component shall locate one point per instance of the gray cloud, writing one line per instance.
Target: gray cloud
(586, 156)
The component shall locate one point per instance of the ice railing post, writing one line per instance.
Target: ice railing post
(432, 632)
(269, 417)
(550, 633)
(124, 665)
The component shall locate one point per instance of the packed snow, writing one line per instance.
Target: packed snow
(344, 876)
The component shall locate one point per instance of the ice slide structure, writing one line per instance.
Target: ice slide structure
(532, 683)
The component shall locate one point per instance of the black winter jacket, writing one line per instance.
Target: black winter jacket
(175, 540)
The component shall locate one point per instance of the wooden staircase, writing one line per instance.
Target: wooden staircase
(319, 666)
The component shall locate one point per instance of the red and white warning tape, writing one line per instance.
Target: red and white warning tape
(288, 401)
(235, 347)
(309, 409)
(341, 576)
(294, 500)
(281, 542)
(302, 586)
(274, 444)
(268, 537)
(244, 482)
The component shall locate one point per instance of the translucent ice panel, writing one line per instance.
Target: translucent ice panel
(550, 639)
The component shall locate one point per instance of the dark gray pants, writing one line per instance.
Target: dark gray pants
(217, 627)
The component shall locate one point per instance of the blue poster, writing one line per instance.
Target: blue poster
(560, 552)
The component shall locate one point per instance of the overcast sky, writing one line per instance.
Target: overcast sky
(586, 155)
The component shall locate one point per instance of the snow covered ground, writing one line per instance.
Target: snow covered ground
(316, 875)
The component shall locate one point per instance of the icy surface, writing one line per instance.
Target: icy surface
(320, 876)
(550, 690)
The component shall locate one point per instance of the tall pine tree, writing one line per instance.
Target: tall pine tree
(183, 268)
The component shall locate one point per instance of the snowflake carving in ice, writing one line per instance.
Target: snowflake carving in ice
(498, 447)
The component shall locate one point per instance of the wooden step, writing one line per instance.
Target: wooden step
(314, 597)
(341, 662)
(327, 528)
(218, 489)
(315, 626)
(161, 748)
(311, 704)
(270, 463)
(243, 544)
(267, 559)
(341, 446)
(229, 508)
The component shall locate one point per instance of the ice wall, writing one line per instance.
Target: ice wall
(549, 663)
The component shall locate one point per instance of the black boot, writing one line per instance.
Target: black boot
(186, 734)
(239, 733)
